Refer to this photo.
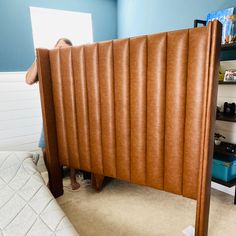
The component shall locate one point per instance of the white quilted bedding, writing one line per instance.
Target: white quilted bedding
(26, 205)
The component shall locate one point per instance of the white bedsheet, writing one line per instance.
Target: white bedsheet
(26, 205)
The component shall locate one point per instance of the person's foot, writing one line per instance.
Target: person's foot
(75, 185)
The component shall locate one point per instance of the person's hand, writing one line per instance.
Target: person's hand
(32, 74)
(31, 82)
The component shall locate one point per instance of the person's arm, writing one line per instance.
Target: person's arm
(32, 74)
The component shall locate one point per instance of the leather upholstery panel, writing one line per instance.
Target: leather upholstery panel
(138, 65)
(122, 107)
(106, 83)
(92, 76)
(81, 101)
(194, 107)
(156, 92)
(177, 59)
(69, 106)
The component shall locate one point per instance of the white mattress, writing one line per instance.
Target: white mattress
(26, 205)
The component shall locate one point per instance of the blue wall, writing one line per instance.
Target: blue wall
(111, 18)
(16, 50)
(137, 17)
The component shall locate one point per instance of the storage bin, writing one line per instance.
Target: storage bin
(224, 167)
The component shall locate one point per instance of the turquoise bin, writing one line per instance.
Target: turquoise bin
(224, 167)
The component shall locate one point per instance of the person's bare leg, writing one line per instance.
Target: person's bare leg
(45, 161)
(74, 184)
(45, 158)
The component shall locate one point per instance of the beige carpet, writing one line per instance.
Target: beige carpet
(132, 210)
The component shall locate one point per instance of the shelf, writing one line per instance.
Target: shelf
(229, 184)
(228, 46)
(223, 117)
(227, 83)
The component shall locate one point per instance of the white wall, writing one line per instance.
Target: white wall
(20, 113)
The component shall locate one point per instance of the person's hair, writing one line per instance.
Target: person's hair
(67, 41)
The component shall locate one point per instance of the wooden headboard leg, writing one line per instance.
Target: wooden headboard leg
(55, 184)
(49, 122)
(54, 178)
(97, 181)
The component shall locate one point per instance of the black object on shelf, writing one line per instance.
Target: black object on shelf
(229, 109)
(223, 117)
(196, 22)
(226, 149)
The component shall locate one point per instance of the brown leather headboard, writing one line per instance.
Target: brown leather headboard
(140, 109)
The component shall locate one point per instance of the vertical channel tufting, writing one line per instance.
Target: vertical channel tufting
(81, 106)
(91, 65)
(156, 76)
(106, 84)
(148, 118)
(194, 107)
(138, 71)
(122, 107)
(177, 57)
(59, 107)
(69, 106)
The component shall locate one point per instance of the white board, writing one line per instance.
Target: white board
(49, 25)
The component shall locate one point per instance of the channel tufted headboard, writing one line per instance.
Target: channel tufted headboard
(140, 109)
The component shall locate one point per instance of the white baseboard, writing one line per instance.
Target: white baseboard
(222, 188)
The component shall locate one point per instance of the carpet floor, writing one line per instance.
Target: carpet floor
(127, 209)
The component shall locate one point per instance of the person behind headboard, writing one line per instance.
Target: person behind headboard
(32, 78)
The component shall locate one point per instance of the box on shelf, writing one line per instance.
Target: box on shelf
(224, 167)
